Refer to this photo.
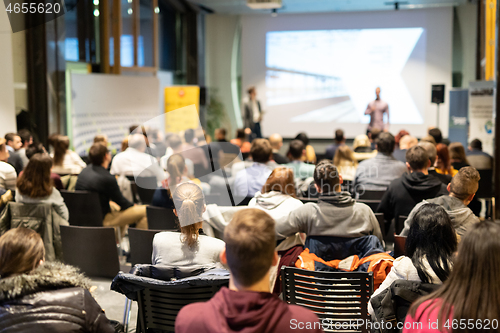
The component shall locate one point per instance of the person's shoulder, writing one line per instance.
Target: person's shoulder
(302, 317)
(192, 317)
(6, 167)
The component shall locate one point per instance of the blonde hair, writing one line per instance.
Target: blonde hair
(344, 153)
(189, 203)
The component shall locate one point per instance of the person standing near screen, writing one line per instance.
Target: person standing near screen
(376, 110)
(252, 114)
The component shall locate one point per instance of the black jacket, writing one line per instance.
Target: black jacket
(280, 159)
(95, 178)
(408, 190)
(52, 298)
(445, 179)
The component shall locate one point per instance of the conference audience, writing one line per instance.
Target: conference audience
(362, 148)
(8, 175)
(250, 180)
(412, 187)
(471, 291)
(177, 174)
(65, 161)
(477, 157)
(458, 158)
(428, 138)
(36, 186)
(345, 162)
(373, 136)
(398, 136)
(96, 178)
(241, 141)
(102, 139)
(247, 305)
(376, 173)
(461, 190)
(276, 142)
(430, 247)
(26, 140)
(14, 143)
(39, 296)
(38, 148)
(432, 153)
(405, 143)
(443, 162)
(310, 156)
(436, 134)
(296, 152)
(189, 151)
(339, 140)
(335, 214)
(189, 247)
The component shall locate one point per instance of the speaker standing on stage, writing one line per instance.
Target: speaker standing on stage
(376, 110)
(253, 114)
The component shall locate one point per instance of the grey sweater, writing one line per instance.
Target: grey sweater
(334, 215)
(461, 216)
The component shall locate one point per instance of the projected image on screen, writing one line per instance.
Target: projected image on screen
(331, 75)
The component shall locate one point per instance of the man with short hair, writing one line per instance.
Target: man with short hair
(96, 178)
(477, 157)
(26, 140)
(412, 187)
(14, 143)
(375, 174)
(301, 170)
(250, 180)
(276, 142)
(339, 141)
(432, 153)
(247, 305)
(336, 213)
(405, 143)
(436, 134)
(462, 189)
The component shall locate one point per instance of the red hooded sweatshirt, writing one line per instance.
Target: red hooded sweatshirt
(245, 312)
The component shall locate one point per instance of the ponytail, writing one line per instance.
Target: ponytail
(189, 203)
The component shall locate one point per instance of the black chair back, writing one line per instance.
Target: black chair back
(84, 208)
(400, 224)
(92, 249)
(373, 204)
(161, 218)
(485, 189)
(336, 297)
(141, 245)
(371, 195)
(399, 246)
(381, 222)
(145, 187)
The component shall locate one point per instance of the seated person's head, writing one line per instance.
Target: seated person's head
(21, 251)
(175, 142)
(99, 155)
(302, 137)
(35, 181)
(35, 148)
(280, 180)
(457, 152)
(137, 141)
(61, 146)
(385, 143)
(464, 184)
(261, 150)
(102, 139)
(240, 134)
(220, 134)
(250, 242)
(430, 149)
(176, 168)
(189, 135)
(436, 134)
(407, 142)
(428, 138)
(4, 153)
(189, 207)
(431, 238)
(296, 150)
(476, 144)
(374, 133)
(26, 137)
(400, 134)
(327, 178)
(276, 141)
(339, 136)
(417, 159)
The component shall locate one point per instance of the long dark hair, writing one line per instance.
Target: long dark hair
(431, 238)
(61, 145)
(35, 180)
(472, 291)
(21, 250)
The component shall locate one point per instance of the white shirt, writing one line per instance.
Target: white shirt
(256, 111)
(132, 162)
(8, 176)
(72, 164)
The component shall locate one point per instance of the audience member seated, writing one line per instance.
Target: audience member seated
(373, 136)
(276, 142)
(335, 214)
(135, 162)
(462, 189)
(470, 292)
(189, 151)
(188, 247)
(362, 148)
(443, 162)
(412, 187)
(477, 158)
(278, 196)
(339, 140)
(457, 155)
(8, 175)
(96, 178)
(250, 181)
(26, 140)
(428, 138)
(376, 173)
(39, 296)
(310, 156)
(35, 185)
(432, 153)
(14, 143)
(345, 162)
(241, 141)
(177, 174)
(296, 152)
(65, 161)
(220, 147)
(398, 137)
(405, 143)
(430, 246)
(247, 305)
(436, 134)
(102, 139)
(38, 148)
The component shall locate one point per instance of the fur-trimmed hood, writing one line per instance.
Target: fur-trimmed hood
(48, 276)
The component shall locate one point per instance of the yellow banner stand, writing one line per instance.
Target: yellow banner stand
(180, 97)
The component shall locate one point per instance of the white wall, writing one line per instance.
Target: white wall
(7, 104)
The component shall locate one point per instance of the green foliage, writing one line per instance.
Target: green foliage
(216, 114)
